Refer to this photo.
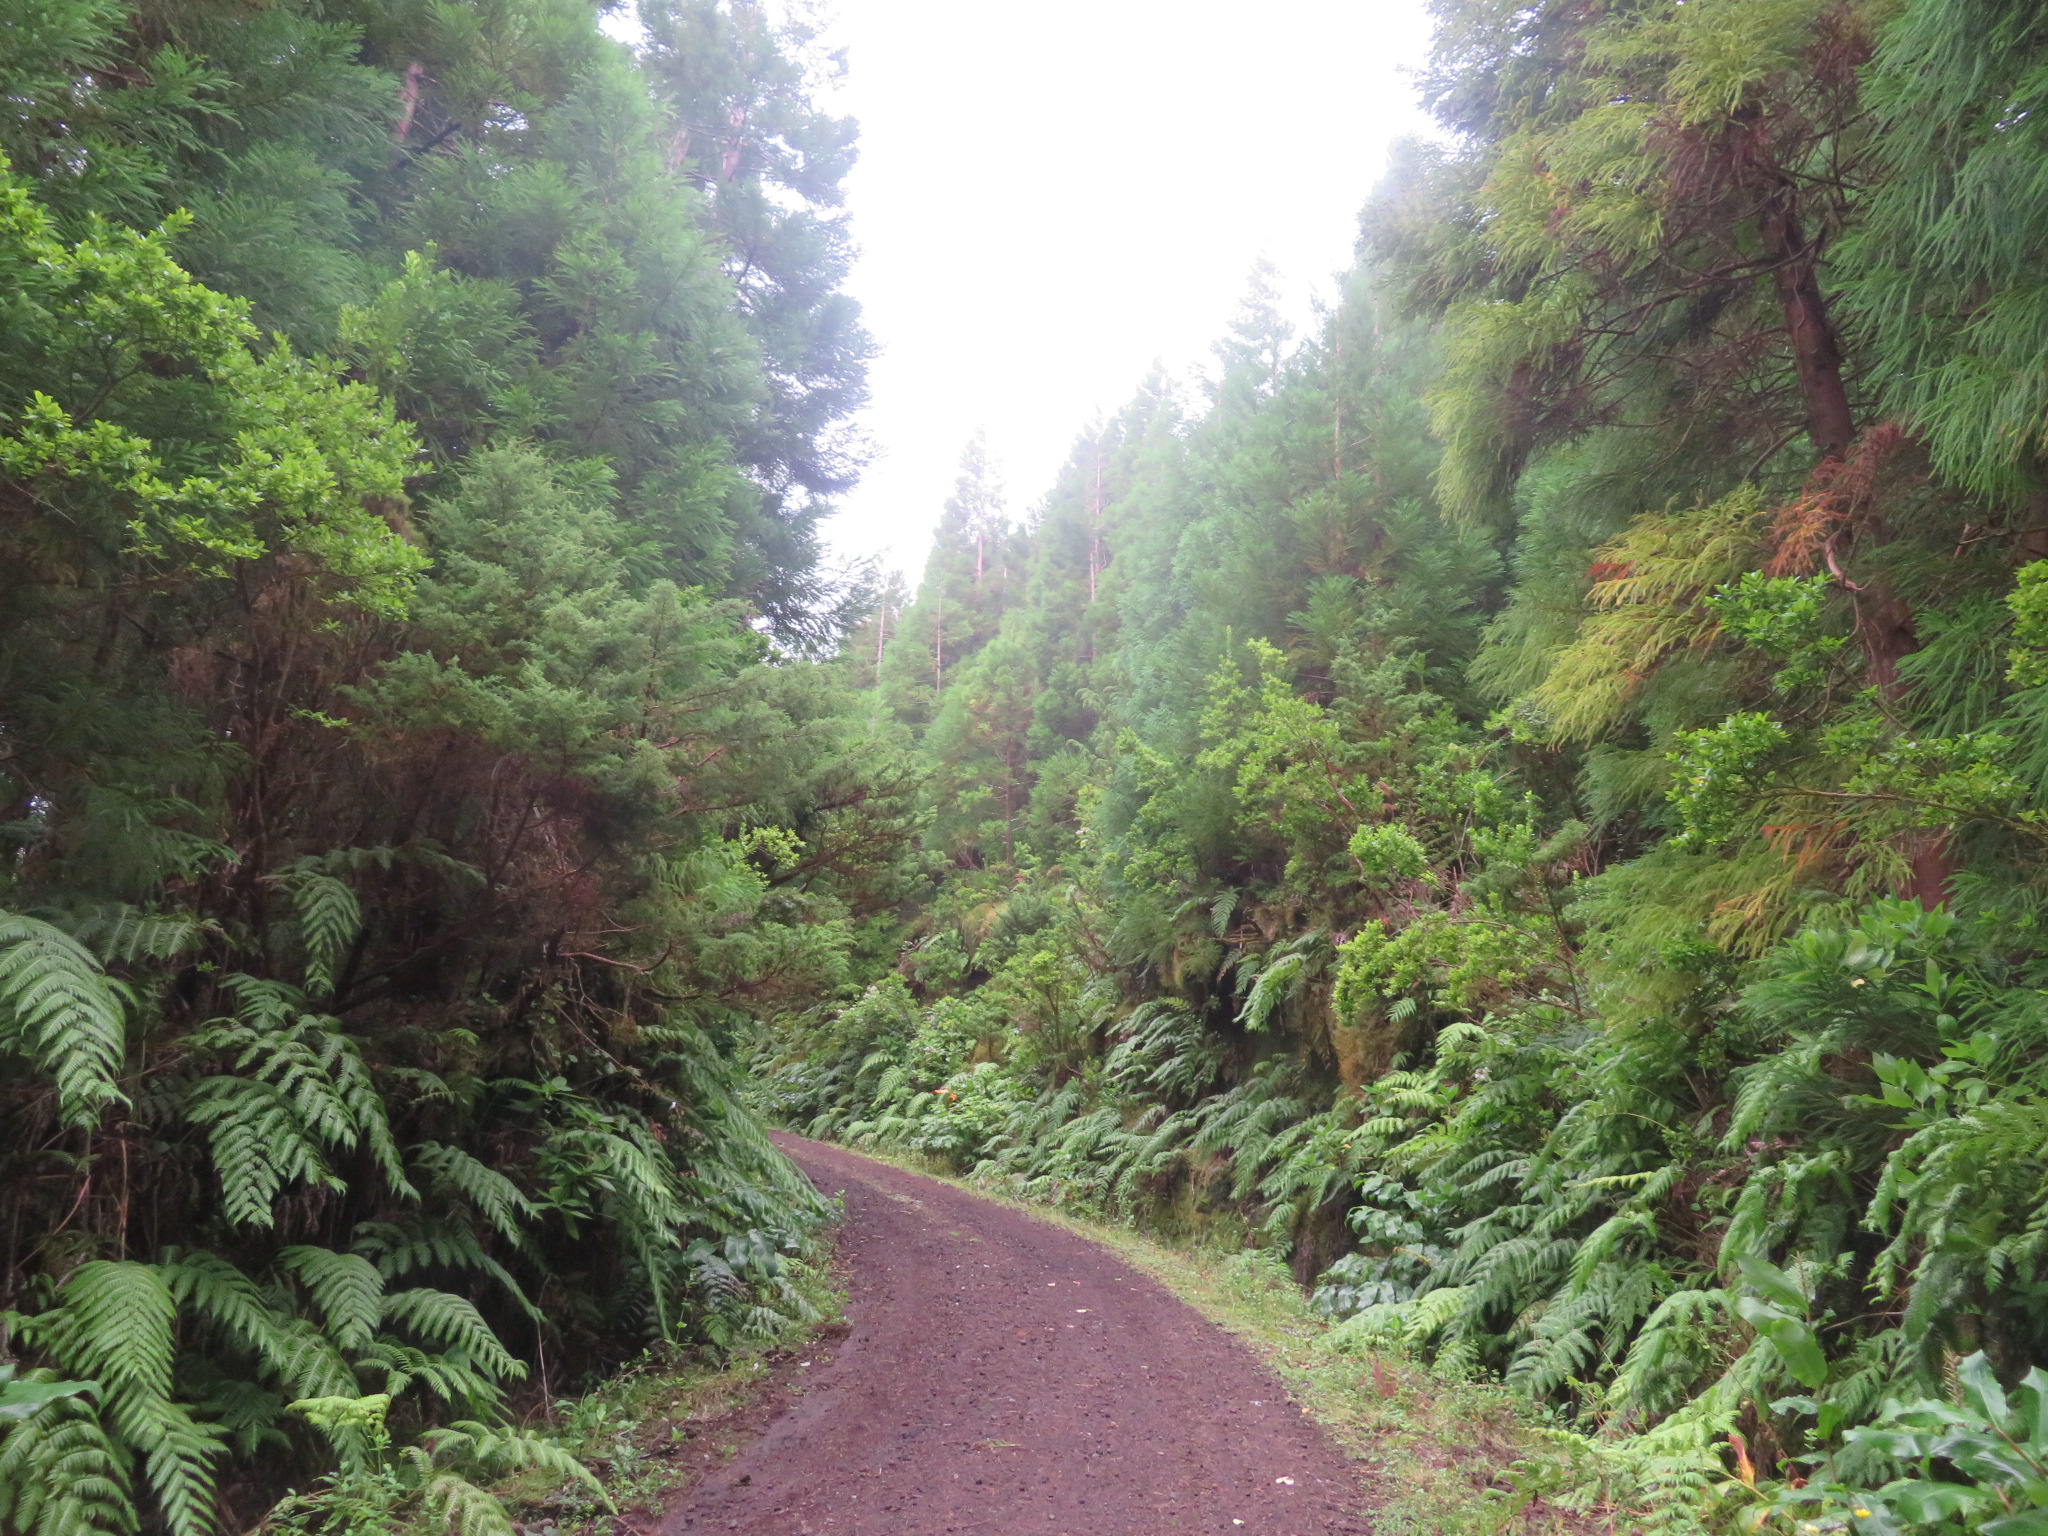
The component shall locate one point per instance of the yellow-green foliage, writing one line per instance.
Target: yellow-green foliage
(308, 453)
(1715, 55)
(1649, 600)
(1464, 961)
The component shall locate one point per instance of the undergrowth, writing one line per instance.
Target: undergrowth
(648, 1431)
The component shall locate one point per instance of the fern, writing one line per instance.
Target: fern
(58, 1007)
(1281, 978)
(496, 1198)
(451, 1502)
(208, 1287)
(347, 1289)
(122, 935)
(329, 916)
(497, 1452)
(115, 1324)
(306, 1092)
(424, 1243)
(453, 1322)
(61, 1475)
(261, 1144)
(431, 1484)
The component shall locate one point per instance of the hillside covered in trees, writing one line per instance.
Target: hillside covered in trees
(1531, 798)
(1529, 802)
(415, 423)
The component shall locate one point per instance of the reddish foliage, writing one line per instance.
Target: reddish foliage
(1838, 493)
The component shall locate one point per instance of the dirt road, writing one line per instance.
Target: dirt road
(1003, 1377)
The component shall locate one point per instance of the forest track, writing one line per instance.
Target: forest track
(1003, 1377)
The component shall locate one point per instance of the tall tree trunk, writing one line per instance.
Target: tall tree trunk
(1884, 621)
(1816, 350)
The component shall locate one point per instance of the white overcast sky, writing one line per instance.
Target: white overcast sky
(1052, 196)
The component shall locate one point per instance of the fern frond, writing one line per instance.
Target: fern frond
(60, 1474)
(1224, 912)
(121, 935)
(259, 1146)
(1278, 983)
(347, 1289)
(208, 1286)
(306, 1090)
(353, 1426)
(452, 1378)
(58, 1006)
(503, 1204)
(357, 1092)
(455, 1505)
(116, 1324)
(330, 917)
(498, 1451)
(453, 1323)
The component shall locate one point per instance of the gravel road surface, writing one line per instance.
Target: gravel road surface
(1003, 1377)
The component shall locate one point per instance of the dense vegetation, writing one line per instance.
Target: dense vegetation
(415, 422)
(1532, 798)
(1530, 802)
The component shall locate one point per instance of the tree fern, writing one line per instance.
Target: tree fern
(59, 1008)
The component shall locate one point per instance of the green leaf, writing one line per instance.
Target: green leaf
(1793, 1340)
(1771, 1282)
(1918, 1499)
(19, 1399)
(1981, 1389)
